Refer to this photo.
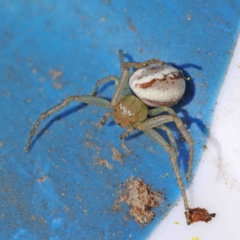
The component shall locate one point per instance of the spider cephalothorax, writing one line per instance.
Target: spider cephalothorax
(156, 84)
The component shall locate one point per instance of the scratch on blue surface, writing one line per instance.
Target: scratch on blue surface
(56, 191)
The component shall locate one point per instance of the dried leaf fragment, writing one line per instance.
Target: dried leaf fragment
(140, 199)
(199, 214)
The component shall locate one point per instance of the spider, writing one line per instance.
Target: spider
(156, 84)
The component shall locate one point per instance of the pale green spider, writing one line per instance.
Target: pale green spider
(160, 85)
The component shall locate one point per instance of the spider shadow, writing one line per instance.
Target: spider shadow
(57, 118)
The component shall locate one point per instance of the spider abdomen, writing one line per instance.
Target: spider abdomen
(158, 85)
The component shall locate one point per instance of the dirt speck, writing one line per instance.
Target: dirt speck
(165, 175)
(104, 163)
(54, 74)
(117, 155)
(41, 179)
(200, 214)
(189, 18)
(139, 197)
(123, 145)
(130, 25)
(1, 144)
(92, 145)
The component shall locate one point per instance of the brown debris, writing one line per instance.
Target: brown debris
(123, 145)
(130, 25)
(199, 214)
(104, 163)
(140, 199)
(54, 74)
(41, 179)
(117, 155)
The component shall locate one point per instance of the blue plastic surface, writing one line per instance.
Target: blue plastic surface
(57, 191)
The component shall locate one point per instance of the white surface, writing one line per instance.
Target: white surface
(216, 185)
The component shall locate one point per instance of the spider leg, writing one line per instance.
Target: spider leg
(121, 58)
(97, 101)
(105, 117)
(170, 136)
(110, 78)
(123, 82)
(125, 134)
(159, 120)
(159, 110)
(102, 81)
(173, 157)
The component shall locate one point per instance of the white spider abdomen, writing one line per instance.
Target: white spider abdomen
(158, 85)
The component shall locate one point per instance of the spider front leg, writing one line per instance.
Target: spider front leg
(173, 157)
(102, 81)
(105, 117)
(158, 121)
(109, 78)
(97, 101)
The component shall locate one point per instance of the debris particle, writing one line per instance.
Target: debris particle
(92, 145)
(176, 223)
(200, 214)
(54, 74)
(116, 155)
(79, 199)
(34, 70)
(165, 175)
(103, 19)
(57, 85)
(42, 80)
(140, 199)
(195, 238)
(129, 22)
(41, 179)
(189, 18)
(123, 145)
(105, 163)
(1, 143)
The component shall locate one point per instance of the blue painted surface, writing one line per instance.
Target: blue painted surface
(56, 191)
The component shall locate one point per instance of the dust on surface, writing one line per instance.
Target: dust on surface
(117, 155)
(54, 74)
(130, 25)
(140, 199)
(123, 145)
(104, 163)
(200, 214)
(41, 179)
